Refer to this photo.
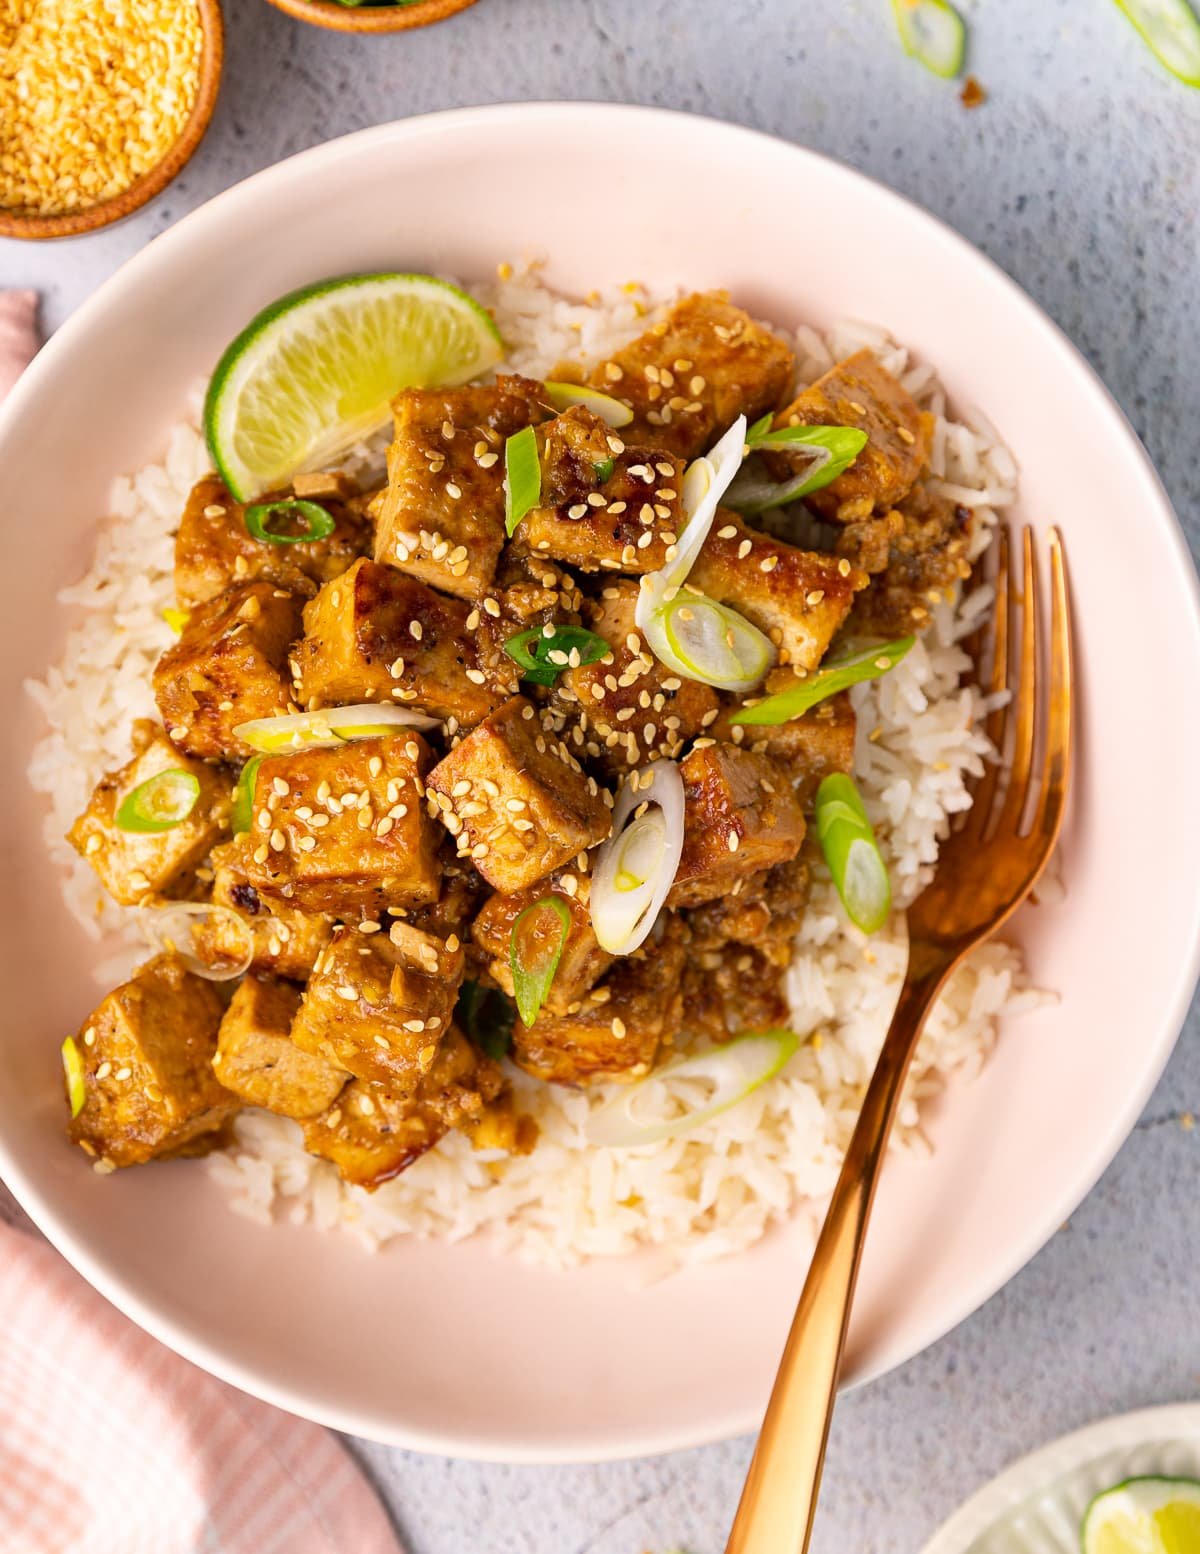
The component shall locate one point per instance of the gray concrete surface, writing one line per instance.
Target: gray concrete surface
(1080, 175)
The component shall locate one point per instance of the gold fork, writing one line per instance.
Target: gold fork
(985, 870)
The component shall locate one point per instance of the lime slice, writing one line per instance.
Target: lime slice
(315, 372)
(1145, 1516)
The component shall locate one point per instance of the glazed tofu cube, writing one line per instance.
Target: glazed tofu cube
(132, 864)
(582, 963)
(372, 1134)
(460, 898)
(766, 914)
(375, 634)
(378, 1005)
(147, 1050)
(630, 707)
(442, 519)
(214, 549)
(616, 1030)
(344, 831)
(532, 591)
(859, 392)
(605, 504)
(798, 597)
(918, 551)
(740, 816)
(516, 800)
(808, 748)
(690, 376)
(285, 941)
(230, 665)
(258, 1061)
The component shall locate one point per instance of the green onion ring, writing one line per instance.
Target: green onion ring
(161, 803)
(534, 954)
(320, 523)
(827, 681)
(852, 853)
(533, 651)
(522, 477)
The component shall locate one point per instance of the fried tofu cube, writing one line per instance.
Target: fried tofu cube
(616, 1030)
(808, 748)
(379, 1004)
(516, 800)
(766, 914)
(740, 816)
(376, 634)
(630, 707)
(860, 392)
(442, 519)
(690, 376)
(285, 941)
(230, 665)
(582, 962)
(372, 1134)
(605, 505)
(214, 549)
(146, 1052)
(918, 551)
(258, 1061)
(132, 864)
(344, 831)
(798, 597)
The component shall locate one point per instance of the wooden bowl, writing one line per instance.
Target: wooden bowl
(155, 179)
(383, 18)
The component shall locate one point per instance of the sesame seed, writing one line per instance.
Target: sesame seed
(769, 564)
(104, 1070)
(905, 435)
(486, 460)
(618, 1026)
(844, 567)
(744, 549)
(415, 630)
(453, 490)
(733, 841)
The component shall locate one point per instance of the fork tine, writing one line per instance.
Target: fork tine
(983, 789)
(1057, 774)
(1025, 695)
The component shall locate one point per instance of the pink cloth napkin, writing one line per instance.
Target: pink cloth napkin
(18, 338)
(111, 1444)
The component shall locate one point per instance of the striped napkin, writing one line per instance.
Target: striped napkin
(111, 1444)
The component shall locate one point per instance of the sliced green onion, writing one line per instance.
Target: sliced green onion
(176, 619)
(635, 1115)
(72, 1062)
(932, 32)
(487, 1016)
(709, 642)
(539, 937)
(834, 677)
(241, 816)
(852, 853)
(161, 803)
(833, 449)
(636, 866)
(329, 728)
(319, 524)
(565, 395)
(172, 929)
(522, 477)
(603, 470)
(1172, 29)
(543, 658)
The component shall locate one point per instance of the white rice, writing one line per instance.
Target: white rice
(778, 1152)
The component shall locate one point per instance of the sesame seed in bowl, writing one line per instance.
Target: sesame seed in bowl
(101, 105)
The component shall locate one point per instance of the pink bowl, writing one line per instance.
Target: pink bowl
(456, 1349)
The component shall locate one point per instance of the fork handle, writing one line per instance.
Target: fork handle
(779, 1500)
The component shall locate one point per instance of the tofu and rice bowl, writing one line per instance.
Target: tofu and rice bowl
(523, 825)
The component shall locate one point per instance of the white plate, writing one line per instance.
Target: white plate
(455, 1348)
(1037, 1505)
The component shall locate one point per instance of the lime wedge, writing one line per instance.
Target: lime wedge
(315, 372)
(1145, 1516)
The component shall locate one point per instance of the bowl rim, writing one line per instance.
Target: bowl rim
(338, 18)
(721, 1423)
(35, 227)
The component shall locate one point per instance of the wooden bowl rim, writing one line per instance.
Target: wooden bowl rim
(339, 18)
(155, 179)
